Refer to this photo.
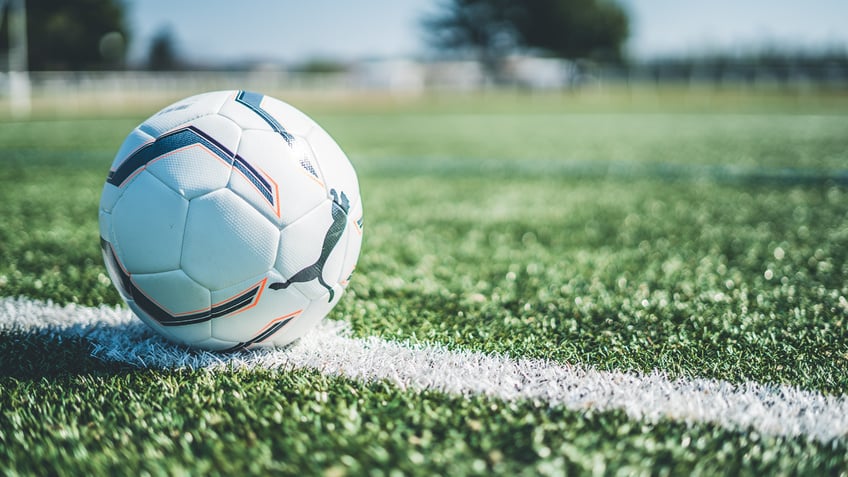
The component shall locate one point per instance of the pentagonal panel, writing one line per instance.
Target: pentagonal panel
(267, 173)
(184, 111)
(147, 226)
(310, 255)
(337, 170)
(270, 310)
(174, 293)
(226, 241)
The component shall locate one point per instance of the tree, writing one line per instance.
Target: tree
(594, 29)
(163, 52)
(76, 34)
(482, 27)
(491, 29)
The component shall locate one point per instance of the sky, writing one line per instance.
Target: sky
(223, 31)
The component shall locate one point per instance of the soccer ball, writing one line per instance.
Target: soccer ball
(230, 220)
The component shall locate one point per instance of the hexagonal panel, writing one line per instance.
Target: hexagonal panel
(226, 241)
(269, 176)
(147, 226)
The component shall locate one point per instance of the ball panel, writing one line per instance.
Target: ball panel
(224, 131)
(238, 298)
(335, 167)
(305, 157)
(301, 241)
(243, 115)
(143, 316)
(147, 225)
(215, 344)
(189, 334)
(266, 156)
(191, 171)
(226, 240)
(104, 221)
(291, 118)
(271, 307)
(307, 320)
(135, 140)
(353, 242)
(174, 292)
(116, 276)
(331, 272)
(184, 111)
(109, 196)
(184, 335)
(310, 256)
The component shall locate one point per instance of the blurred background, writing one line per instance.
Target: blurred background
(73, 56)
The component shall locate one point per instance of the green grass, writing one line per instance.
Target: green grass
(499, 231)
(305, 423)
(812, 141)
(617, 275)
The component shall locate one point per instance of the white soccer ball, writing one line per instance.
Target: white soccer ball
(230, 220)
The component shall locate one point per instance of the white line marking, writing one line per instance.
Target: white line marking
(775, 410)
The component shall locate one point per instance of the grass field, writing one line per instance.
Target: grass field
(704, 240)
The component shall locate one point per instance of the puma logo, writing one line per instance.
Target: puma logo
(340, 205)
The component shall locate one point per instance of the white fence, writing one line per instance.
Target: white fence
(54, 92)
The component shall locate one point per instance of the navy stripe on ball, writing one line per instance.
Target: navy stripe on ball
(164, 317)
(254, 102)
(182, 138)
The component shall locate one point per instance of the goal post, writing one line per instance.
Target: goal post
(18, 70)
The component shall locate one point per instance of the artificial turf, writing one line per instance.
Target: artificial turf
(585, 237)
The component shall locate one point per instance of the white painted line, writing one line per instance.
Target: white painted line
(773, 410)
